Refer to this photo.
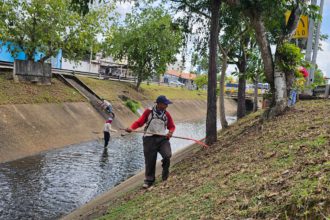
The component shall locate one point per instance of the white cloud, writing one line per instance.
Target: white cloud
(124, 7)
(231, 68)
(323, 58)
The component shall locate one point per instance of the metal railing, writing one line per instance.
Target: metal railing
(10, 66)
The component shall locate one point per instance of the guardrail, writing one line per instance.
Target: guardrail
(321, 90)
(6, 65)
(9, 65)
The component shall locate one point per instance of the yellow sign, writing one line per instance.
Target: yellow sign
(302, 28)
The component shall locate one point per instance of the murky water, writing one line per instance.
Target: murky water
(55, 183)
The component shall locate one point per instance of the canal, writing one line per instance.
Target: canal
(52, 184)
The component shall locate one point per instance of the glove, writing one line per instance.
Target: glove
(169, 135)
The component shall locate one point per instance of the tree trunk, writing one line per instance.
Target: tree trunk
(211, 116)
(266, 54)
(255, 97)
(223, 121)
(275, 78)
(289, 81)
(281, 95)
(139, 81)
(241, 107)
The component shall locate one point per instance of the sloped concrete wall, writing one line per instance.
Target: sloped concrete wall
(33, 128)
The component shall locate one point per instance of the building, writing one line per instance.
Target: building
(177, 76)
(105, 67)
(6, 56)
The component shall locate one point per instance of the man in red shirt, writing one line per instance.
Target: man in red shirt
(156, 138)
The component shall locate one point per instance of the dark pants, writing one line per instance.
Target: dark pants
(151, 146)
(106, 138)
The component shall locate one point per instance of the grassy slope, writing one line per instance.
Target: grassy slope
(110, 90)
(23, 93)
(279, 169)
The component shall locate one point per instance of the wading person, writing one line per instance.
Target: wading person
(106, 131)
(157, 121)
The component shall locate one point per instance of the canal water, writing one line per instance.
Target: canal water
(52, 184)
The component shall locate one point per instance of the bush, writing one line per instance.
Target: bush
(133, 105)
(291, 57)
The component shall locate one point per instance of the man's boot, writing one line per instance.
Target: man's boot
(165, 165)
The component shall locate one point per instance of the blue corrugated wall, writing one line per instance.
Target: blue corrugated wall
(7, 57)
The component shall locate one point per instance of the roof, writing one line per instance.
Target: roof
(189, 76)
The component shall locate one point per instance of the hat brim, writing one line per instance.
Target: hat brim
(168, 102)
(165, 102)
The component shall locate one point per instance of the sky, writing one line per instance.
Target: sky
(323, 58)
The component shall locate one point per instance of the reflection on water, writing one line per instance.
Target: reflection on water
(55, 183)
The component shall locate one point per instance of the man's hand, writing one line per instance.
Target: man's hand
(129, 130)
(169, 134)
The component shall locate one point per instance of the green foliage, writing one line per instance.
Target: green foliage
(201, 62)
(319, 78)
(149, 41)
(201, 80)
(46, 26)
(133, 105)
(82, 6)
(230, 79)
(291, 57)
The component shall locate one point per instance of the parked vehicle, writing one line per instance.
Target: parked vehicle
(176, 83)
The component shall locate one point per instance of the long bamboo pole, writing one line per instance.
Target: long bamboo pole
(173, 136)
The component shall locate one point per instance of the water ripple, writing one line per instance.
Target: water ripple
(52, 184)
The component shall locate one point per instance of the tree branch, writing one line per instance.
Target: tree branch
(192, 8)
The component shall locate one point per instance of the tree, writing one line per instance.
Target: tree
(200, 61)
(265, 18)
(236, 42)
(148, 41)
(46, 26)
(319, 78)
(201, 81)
(211, 115)
(255, 73)
(83, 6)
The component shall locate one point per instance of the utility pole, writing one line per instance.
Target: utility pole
(308, 55)
(316, 45)
(90, 59)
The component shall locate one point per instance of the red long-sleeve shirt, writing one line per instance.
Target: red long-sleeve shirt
(144, 117)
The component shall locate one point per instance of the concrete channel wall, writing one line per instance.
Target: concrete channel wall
(30, 129)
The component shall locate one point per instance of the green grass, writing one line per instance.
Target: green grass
(133, 105)
(277, 169)
(112, 90)
(175, 93)
(24, 93)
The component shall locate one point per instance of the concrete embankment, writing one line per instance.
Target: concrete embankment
(30, 129)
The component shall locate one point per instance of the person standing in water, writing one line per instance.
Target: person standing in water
(106, 131)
